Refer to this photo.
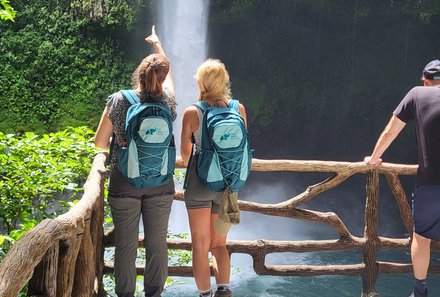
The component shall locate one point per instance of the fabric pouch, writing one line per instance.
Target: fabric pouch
(229, 213)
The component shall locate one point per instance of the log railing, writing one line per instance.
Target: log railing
(53, 256)
(62, 257)
(369, 244)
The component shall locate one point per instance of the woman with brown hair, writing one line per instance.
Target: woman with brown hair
(152, 82)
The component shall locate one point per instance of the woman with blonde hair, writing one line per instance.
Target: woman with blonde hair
(152, 83)
(203, 204)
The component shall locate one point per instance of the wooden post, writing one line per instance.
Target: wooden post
(85, 268)
(259, 258)
(41, 283)
(97, 234)
(258, 262)
(401, 199)
(66, 266)
(369, 276)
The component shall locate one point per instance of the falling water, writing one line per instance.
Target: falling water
(183, 25)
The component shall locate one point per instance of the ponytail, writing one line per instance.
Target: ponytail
(213, 80)
(150, 75)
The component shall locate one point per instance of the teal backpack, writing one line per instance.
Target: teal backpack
(225, 157)
(149, 158)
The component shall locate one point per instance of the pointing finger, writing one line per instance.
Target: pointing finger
(153, 30)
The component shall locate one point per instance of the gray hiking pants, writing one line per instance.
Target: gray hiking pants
(127, 204)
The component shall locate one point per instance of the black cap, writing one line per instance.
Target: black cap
(432, 70)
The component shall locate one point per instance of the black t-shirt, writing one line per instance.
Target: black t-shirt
(422, 106)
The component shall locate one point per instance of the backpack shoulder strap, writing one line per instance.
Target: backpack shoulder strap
(202, 105)
(234, 104)
(130, 96)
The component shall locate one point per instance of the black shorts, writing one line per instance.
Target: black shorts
(426, 211)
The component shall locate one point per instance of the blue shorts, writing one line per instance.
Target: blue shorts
(426, 211)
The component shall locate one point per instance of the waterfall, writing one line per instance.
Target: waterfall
(182, 27)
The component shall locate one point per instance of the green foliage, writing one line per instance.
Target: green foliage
(39, 177)
(426, 10)
(7, 13)
(108, 13)
(58, 69)
(121, 12)
(178, 257)
(179, 176)
(108, 281)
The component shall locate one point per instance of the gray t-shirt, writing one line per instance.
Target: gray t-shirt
(422, 106)
(117, 111)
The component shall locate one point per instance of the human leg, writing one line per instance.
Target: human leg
(155, 216)
(221, 259)
(199, 221)
(200, 203)
(426, 215)
(420, 255)
(126, 215)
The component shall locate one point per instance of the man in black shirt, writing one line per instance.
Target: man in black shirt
(422, 107)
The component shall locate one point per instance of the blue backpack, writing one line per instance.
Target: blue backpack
(149, 158)
(225, 157)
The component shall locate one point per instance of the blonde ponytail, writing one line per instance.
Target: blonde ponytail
(213, 80)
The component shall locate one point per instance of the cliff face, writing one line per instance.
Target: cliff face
(321, 78)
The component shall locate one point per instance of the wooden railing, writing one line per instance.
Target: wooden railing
(54, 254)
(62, 257)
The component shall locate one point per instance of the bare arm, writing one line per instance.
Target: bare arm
(395, 125)
(242, 111)
(190, 123)
(169, 82)
(153, 39)
(104, 131)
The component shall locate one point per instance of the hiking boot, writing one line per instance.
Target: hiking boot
(223, 293)
(417, 294)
